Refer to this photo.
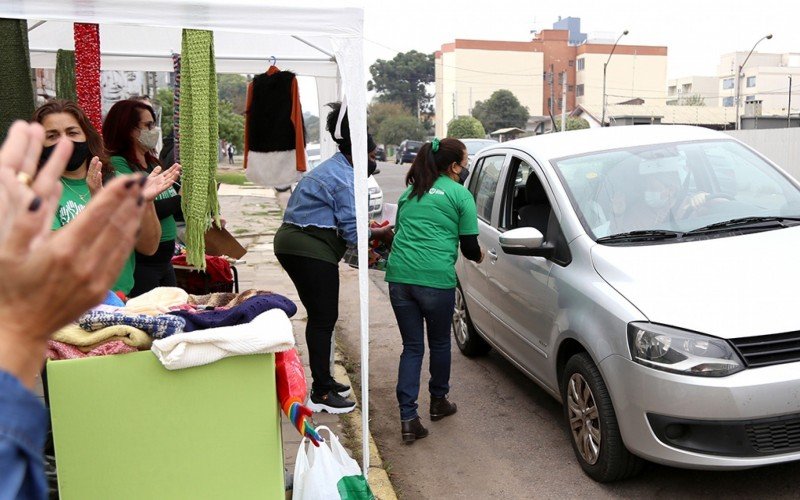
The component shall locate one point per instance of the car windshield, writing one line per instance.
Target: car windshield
(475, 146)
(413, 146)
(674, 187)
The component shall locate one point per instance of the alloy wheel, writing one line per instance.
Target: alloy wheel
(460, 326)
(584, 418)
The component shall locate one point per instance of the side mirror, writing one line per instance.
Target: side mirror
(526, 241)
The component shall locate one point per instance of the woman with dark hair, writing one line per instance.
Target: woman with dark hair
(131, 136)
(434, 215)
(87, 170)
(318, 225)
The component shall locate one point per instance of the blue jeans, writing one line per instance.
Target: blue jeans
(412, 306)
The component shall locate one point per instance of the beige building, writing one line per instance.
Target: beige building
(689, 89)
(765, 79)
(468, 71)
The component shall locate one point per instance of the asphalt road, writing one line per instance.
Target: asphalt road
(507, 439)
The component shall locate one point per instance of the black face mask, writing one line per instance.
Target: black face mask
(462, 176)
(80, 151)
(372, 165)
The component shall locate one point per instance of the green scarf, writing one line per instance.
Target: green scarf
(65, 75)
(199, 135)
(16, 87)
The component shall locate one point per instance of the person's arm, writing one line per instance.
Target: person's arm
(150, 232)
(470, 248)
(168, 206)
(468, 228)
(344, 210)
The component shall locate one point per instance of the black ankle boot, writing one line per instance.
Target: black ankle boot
(412, 430)
(441, 407)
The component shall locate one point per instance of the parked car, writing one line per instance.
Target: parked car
(380, 153)
(475, 145)
(407, 151)
(375, 192)
(665, 323)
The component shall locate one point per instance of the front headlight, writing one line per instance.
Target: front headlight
(678, 351)
(374, 190)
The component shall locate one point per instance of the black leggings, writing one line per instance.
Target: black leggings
(153, 271)
(317, 283)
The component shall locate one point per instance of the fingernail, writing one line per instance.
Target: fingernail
(143, 181)
(129, 184)
(140, 200)
(35, 204)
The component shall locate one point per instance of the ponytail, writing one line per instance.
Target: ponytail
(430, 164)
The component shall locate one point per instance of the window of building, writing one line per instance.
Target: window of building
(751, 81)
(579, 89)
(571, 63)
(727, 101)
(570, 88)
(727, 83)
(749, 98)
(581, 64)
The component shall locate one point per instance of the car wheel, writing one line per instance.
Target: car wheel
(467, 338)
(592, 423)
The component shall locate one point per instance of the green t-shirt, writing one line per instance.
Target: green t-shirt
(74, 198)
(312, 242)
(169, 230)
(425, 245)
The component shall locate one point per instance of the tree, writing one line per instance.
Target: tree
(378, 112)
(692, 100)
(231, 125)
(233, 88)
(501, 110)
(396, 129)
(573, 123)
(403, 79)
(312, 127)
(164, 98)
(465, 127)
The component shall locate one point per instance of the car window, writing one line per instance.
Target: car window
(675, 187)
(413, 146)
(484, 185)
(514, 194)
(475, 146)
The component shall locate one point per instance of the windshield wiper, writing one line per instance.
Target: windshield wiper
(645, 235)
(742, 222)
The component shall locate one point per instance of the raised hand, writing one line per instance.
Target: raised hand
(94, 177)
(160, 180)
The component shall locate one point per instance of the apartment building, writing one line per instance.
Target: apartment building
(765, 79)
(693, 90)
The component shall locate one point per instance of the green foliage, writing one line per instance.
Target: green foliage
(501, 110)
(378, 112)
(164, 98)
(465, 127)
(236, 178)
(233, 88)
(573, 123)
(692, 100)
(312, 127)
(231, 125)
(403, 79)
(396, 129)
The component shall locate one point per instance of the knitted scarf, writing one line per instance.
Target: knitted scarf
(65, 75)
(87, 71)
(176, 108)
(16, 90)
(199, 133)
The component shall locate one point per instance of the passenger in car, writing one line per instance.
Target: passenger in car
(435, 214)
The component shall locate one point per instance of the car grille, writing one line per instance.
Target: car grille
(767, 350)
(775, 437)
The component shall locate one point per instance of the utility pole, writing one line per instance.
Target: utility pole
(564, 101)
(789, 107)
(552, 90)
(740, 74)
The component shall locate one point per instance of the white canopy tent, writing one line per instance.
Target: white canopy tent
(325, 43)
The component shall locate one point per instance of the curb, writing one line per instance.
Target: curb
(377, 477)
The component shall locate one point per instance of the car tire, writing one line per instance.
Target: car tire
(592, 424)
(467, 338)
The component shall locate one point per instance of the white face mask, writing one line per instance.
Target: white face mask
(655, 199)
(148, 138)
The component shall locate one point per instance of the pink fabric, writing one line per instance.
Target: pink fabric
(59, 350)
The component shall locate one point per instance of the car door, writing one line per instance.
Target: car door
(521, 290)
(473, 276)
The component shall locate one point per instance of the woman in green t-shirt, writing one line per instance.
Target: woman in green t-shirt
(131, 136)
(434, 215)
(86, 171)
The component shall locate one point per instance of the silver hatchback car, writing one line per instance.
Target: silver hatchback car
(647, 277)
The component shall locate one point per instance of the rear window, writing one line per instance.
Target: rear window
(413, 145)
(475, 146)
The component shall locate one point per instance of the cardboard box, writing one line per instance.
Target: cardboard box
(125, 427)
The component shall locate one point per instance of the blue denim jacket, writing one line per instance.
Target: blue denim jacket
(23, 430)
(325, 197)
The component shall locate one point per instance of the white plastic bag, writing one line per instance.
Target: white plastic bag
(327, 473)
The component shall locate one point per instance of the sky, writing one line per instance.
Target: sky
(695, 32)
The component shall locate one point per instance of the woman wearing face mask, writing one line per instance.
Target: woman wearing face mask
(435, 215)
(86, 171)
(318, 225)
(131, 135)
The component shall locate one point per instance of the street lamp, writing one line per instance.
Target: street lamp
(739, 76)
(605, 67)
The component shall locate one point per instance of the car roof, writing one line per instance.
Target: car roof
(577, 142)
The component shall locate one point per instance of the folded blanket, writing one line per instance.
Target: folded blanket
(59, 350)
(157, 301)
(243, 313)
(75, 335)
(155, 326)
(224, 299)
(269, 332)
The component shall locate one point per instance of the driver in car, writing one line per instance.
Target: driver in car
(662, 202)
